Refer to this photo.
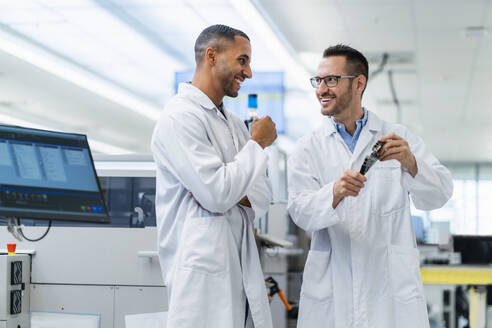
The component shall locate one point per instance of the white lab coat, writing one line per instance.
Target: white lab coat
(362, 270)
(206, 244)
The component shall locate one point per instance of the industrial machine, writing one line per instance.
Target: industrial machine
(15, 273)
(457, 278)
(100, 271)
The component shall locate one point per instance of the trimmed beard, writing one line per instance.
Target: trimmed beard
(343, 102)
(227, 80)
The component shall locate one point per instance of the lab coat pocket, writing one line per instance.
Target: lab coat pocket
(386, 191)
(314, 314)
(204, 245)
(404, 273)
(315, 306)
(317, 280)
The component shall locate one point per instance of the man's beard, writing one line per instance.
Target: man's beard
(227, 81)
(342, 102)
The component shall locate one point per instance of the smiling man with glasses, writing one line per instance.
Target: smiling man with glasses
(363, 266)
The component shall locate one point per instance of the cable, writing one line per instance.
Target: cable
(12, 228)
(33, 240)
(384, 60)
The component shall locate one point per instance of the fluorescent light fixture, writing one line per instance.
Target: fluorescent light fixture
(37, 57)
(95, 145)
(310, 59)
(279, 48)
(97, 40)
(106, 148)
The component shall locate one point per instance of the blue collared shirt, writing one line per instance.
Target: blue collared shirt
(351, 141)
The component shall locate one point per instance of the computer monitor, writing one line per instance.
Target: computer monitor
(48, 175)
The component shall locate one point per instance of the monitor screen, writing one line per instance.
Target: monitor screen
(48, 175)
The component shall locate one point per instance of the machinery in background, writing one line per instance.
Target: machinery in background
(458, 282)
(284, 262)
(15, 274)
(103, 271)
(273, 289)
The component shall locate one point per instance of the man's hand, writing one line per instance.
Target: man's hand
(349, 184)
(395, 147)
(191, 196)
(245, 201)
(263, 131)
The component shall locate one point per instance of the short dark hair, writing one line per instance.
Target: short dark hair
(356, 62)
(212, 36)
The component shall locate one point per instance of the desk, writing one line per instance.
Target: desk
(456, 275)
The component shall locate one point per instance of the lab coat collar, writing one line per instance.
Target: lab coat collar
(189, 90)
(373, 126)
(367, 137)
(374, 123)
(329, 127)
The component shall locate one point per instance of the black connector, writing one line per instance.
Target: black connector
(372, 157)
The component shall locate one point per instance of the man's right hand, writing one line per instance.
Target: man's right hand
(263, 131)
(349, 184)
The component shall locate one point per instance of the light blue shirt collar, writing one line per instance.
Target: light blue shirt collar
(349, 140)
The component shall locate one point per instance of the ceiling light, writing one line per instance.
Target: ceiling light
(273, 39)
(105, 148)
(42, 59)
(310, 59)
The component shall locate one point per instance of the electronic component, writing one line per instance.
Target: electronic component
(372, 157)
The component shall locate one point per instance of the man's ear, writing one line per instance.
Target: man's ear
(210, 56)
(361, 82)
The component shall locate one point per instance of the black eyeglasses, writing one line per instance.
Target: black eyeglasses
(330, 80)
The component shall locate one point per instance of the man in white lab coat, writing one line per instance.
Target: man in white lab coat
(211, 185)
(363, 266)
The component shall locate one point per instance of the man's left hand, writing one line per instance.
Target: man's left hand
(395, 147)
(245, 201)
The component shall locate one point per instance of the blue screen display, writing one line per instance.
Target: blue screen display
(270, 90)
(25, 163)
(46, 174)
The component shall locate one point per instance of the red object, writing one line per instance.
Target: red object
(11, 248)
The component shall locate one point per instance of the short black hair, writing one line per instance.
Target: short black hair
(212, 36)
(356, 62)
